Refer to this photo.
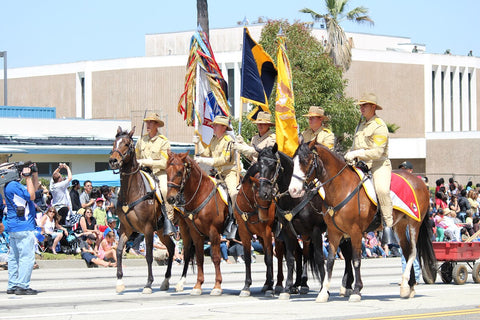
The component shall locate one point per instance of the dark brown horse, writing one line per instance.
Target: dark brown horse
(204, 212)
(137, 209)
(255, 216)
(314, 161)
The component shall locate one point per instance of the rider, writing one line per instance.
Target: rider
(151, 151)
(220, 156)
(316, 116)
(370, 145)
(264, 138)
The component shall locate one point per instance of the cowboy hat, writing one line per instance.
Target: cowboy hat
(263, 118)
(316, 112)
(154, 117)
(223, 121)
(369, 98)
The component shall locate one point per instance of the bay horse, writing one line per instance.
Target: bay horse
(137, 209)
(352, 216)
(204, 212)
(300, 218)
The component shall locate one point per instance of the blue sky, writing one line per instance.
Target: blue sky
(53, 31)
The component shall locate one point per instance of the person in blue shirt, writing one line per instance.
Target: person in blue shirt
(20, 225)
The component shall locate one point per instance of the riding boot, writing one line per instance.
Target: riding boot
(230, 225)
(388, 236)
(168, 227)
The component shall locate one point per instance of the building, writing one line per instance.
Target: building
(431, 97)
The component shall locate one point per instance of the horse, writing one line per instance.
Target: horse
(351, 212)
(299, 217)
(138, 210)
(204, 212)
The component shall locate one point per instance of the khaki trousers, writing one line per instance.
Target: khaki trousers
(381, 180)
(162, 178)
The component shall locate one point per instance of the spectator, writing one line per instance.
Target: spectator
(235, 249)
(85, 199)
(107, 250)
(112, 224)
(75, 196)
(40, 198)
(440, 200)
(160, 252)
(407, 166)
(20, 225)
(470, 53)
(100, 214)
(453, 205)
(440, 225)
(464, 205)
(50, 226)
(469, 186)
(60, 196)
(472, 200)
(373, 244)
(89, 254)
(415, 49)
(107, 195)
(224, 249)
(452, 231)
(439, 184)
(89, 224)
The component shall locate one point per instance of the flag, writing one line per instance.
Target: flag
(258, 75)
(205, 91)
(286, 127)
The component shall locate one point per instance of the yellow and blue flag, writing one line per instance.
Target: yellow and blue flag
(258, 75)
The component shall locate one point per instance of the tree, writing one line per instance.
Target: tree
(339, 48)
(316, 81)
(202, 16)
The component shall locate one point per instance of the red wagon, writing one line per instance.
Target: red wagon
(451, 253)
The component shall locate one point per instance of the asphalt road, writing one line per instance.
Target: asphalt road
(71, 291)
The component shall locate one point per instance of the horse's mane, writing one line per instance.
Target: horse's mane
(251, 172)
(304, 148)
(121, 134)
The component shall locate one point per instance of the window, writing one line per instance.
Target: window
(101, 166)
(46, 169)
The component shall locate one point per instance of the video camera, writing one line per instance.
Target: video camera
(11, 171)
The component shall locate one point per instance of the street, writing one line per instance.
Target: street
(79, 293)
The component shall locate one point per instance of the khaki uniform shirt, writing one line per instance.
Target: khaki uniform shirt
(155, 148)
(372, 136)
(324, 136)
(267, 140)
(221, 151)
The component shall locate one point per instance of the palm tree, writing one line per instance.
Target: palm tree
(202, 16)
(339, 48)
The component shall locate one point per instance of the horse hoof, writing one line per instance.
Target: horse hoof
(264, 288)
(412, 294)
(216, 292)
(147, 290)
(344, 292)
(120, 288)
(322, 297)
(196, 292)
(293, 290)
(179, 286)
(165, 285)
(269, 294)
(304, 290)
(355, 298)
(278, 289)
(244, 293)
(405, 292)
(284, 296)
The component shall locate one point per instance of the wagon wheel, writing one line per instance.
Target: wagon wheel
(446, 271)
(460, 274)
(429, 277)
(476, 272)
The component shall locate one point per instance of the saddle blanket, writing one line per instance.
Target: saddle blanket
(403, 196)
(150, 182)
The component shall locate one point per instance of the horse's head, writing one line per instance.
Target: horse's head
(123, 150)
(178, 171)
(305, 164)
(269, 168)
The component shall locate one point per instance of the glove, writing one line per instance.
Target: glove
(145, 162)
(243, 148)
(239, 139)
(196, 139)
(351, 155)
(205, 160)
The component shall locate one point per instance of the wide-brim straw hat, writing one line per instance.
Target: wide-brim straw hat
(223, 121)
(369, 98)
(315, 111)
(154, 117)
(263, 118)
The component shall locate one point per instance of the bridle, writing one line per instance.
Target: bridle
(273, 180)
(187, 169)
(123, 156)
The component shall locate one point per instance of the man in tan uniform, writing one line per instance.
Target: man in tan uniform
(370, 145)
(316, 116)
(151, 151)
(264, 138)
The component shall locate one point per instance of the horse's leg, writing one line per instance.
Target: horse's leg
(167, 241)
(268, 256)
(347, 280)
(306, 252)
(409, 251)
(149, 257)
(280, 252)
(121, 245)
(187, 253)
(200, 257)
(290, 246)
(356, 238)
(334, 240)
(319, 259)
(215, 253)
(247, 245)
(298, 254)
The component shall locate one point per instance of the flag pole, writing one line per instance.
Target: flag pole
(239, 164)
(197, 105)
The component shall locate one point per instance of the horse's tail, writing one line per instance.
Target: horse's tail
(314, 268)
(426, 255)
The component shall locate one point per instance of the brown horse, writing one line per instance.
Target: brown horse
(354, 215)
(255, 216)
(204, 212)
(137, 209)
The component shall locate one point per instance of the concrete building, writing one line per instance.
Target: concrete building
(431, 97)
